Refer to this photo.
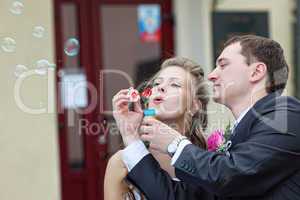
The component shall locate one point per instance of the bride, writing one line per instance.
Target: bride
(179, 97)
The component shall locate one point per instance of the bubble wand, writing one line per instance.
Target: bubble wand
(134, 97)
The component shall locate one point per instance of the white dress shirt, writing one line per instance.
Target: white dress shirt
(136, 151)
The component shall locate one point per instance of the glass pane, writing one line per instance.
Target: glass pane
(70, 37)
(127, 58)
(71, 61)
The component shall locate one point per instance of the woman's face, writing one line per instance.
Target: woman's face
(171, 93)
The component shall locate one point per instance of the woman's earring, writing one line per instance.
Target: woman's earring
(190, 113)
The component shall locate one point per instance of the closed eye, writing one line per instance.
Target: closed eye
(155, 84)
(176, 85)
(223, 65)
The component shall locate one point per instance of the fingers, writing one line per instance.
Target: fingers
(120, 106)
(121, 103)
(145, 129)
(146, 137)
(120, 95)
(137, 107)
(150, 138)
(123, 91)
(149, 121)
(120, 99)
(151, 125)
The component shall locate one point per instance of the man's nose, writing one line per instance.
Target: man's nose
(212, 76)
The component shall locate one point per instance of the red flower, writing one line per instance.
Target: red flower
(147, 92)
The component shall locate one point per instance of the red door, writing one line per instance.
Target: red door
(102, 46)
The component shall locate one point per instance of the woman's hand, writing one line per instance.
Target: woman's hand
(128, 121)
(114, 185)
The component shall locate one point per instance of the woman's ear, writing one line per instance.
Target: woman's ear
(196, 106)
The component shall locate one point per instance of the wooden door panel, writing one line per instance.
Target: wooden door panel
(83, 151)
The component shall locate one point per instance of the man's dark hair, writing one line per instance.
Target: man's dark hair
(261, 49)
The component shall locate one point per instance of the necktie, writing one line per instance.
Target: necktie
(233, 132)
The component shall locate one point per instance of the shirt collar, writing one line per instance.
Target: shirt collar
(241, 116)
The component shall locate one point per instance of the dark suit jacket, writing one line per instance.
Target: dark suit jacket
(264, 161)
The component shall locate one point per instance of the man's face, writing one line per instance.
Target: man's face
(231, 76)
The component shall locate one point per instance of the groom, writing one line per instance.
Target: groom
(263, 161)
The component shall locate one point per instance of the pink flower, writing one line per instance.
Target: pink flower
(215, 140)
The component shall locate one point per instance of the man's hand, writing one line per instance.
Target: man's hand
(128, 122)
(157, 133)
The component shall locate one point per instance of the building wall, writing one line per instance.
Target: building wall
(194, 37)
(28, 142)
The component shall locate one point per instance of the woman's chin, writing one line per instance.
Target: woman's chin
(167, 116)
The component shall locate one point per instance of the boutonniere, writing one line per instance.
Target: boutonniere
(219, 141)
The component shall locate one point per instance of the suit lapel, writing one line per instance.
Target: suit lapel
(242, 130)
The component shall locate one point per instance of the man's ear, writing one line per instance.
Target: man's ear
(259, 71)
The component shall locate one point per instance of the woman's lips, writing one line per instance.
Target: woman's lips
(158, 100)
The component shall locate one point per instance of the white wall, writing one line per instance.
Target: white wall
(190, 33)
(28, 142)
(280, 18)
(194, 36)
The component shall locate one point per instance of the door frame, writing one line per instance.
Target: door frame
(90, 57)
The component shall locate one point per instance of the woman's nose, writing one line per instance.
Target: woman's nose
(161, 89)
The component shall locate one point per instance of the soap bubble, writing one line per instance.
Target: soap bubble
(42, 67)
(8, 45)
(102, 139)
(20, 71)
(60, 73)
(72, 47)
(17, 8)
(38, 31)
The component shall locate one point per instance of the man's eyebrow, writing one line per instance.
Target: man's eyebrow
(220, 60)
(158, 78)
